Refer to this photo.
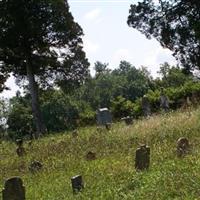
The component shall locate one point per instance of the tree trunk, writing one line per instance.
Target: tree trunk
(33, 88)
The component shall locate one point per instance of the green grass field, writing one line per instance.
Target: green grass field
(112, 175)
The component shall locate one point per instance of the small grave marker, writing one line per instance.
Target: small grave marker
(91, 155)
(20, 149)
(13, 189)
(77, 183)
(142, 158)
(182, 146)
(128, 120)
(35, 166)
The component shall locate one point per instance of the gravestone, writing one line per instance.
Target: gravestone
(91, 155)
(20, 149)
(104, 117)
(128, 120)
(182, 146)
(142, 158)
(77, 183)
(35, 166)
(13, 189)
(146, 106)
(164, 101)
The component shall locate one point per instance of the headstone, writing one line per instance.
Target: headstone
(77, 183)
(142, 158)
(146, 106)
(13, 189)
(128, 120)
(182, 146)
(20, 149)
(104, 116)
(91, 155)
(164, 101)
(35, 166)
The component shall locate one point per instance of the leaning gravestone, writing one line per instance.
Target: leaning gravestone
(104, 117)
(142, 158)
(13, 189)
(77, 183)
(146, 106)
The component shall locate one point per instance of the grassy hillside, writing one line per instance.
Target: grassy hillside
(112, 175)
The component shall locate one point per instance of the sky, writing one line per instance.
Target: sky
(108, 39)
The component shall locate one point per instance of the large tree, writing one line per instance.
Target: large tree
(174, 23)
(40, 42)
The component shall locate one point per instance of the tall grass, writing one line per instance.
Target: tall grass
(112, 175)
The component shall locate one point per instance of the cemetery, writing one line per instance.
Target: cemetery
(92, 110)
(154, 153)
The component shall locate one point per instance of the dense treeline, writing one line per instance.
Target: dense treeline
(120, 90)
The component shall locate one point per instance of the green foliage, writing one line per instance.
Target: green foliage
(175, 24)
(31, 34)
(19, 120)
(122, 107)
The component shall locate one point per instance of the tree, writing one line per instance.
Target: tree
(174, 23)
(172, 76)
(100, 68)
(40, 42)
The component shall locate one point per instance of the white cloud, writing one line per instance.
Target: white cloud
(89, 46)
(157, 57)
(93, 15)
(119, 55)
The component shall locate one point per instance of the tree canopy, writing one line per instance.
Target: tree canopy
(174, 23)
(44, 33)
(40, 42)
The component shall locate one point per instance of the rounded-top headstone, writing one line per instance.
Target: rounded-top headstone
(14, 189)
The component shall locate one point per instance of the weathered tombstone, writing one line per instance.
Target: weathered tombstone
(77, 183)
(146, 106)
(91, 155)
(35, 166)
(164, 102)
(142, 158)
(182, 146)
(103, 117)
(128, 120)
(13, 189)
(20, 149)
